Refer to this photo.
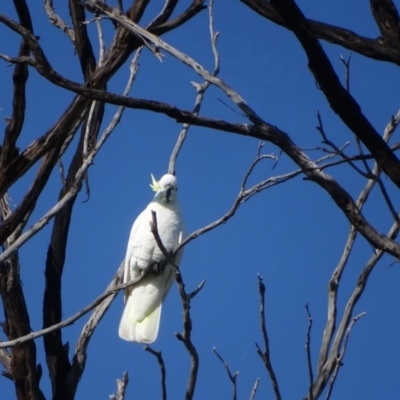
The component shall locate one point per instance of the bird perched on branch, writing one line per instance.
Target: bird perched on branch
(145, 262)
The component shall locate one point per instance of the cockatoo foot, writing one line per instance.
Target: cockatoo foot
(159, 267)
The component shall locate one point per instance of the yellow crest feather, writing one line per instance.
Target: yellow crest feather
(154, 184)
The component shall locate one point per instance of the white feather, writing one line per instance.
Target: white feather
(143, 301)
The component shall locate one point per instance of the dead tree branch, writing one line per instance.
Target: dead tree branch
(254, 390)
(308, 352)
(200, 89)
(373, 48)
(259, 129)
(69, 321)
(121, 388)
(339, 99)
(186, 336)
(265, 354)
(232, 377)
(163, 371)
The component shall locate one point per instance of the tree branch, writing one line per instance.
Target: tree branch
(186, 336)
(372, 48)
(69, 321)
(339, 99)
(121, 387)
(266, 354)
(232, 377)
(200, 89)
(163, 371)
(308, 352)
(387, 18)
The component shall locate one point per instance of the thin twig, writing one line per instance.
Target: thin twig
(232, 377)
(254, 390)
(243, 196)
(115, 15)
(347, 68)
(308, 352)
(184, 337)
(266, 354)
(200, 89)
(338, 151)
(337, 273)
(328, 367)
(80, 175)
(79, 359)
(72, 319)
(161, 363)
(341, 355)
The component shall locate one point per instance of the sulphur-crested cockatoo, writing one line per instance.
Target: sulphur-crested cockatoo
(145, 261)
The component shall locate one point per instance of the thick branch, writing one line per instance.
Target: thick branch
(82, 43)
(20, 76)
(372, 48)
(387, 18)
(23, 357)
(262, 131)
(339, 99)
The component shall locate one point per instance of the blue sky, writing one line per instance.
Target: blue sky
(292, 234)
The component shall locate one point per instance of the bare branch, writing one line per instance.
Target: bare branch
(254, 390)
(121, 388)
(333, 286)
(79, 360)
(161, 363)
(70, 320)
(200, 93)
(14, 125)
(186, 336)
(320, 128)
(80, 175)
(102, 46)
(339, 99)
(387, 18)
(373, 48)
(341, 355)
(82, 43)
(346, 64)
(243, 196)
(232, 377)
(266, 354)
(329, 366)
(5, 360)
(308, 352)
(57, 21)
(260, 129)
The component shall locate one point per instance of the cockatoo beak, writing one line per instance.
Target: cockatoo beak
(168, 194)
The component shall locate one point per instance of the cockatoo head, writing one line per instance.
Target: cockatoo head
(165, 188)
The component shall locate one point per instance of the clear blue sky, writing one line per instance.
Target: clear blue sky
(292, 234)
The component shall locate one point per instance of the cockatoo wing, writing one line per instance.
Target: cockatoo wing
(141, 318)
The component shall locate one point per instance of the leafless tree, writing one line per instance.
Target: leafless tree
(83, 118)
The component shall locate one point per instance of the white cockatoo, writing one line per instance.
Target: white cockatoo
(145, 261)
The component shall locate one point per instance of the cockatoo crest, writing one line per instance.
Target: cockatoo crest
(155, 186)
